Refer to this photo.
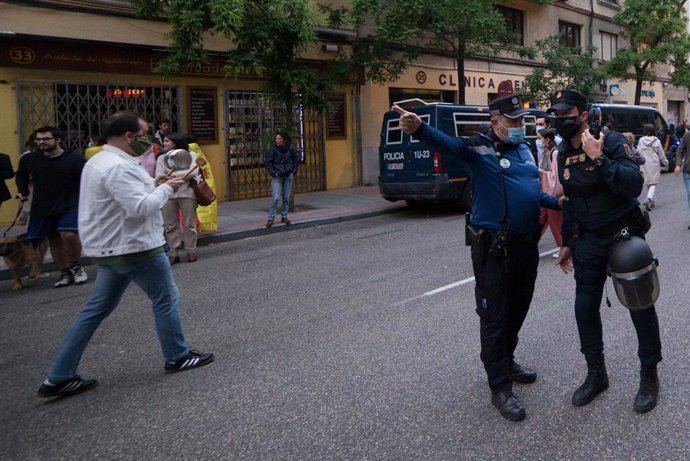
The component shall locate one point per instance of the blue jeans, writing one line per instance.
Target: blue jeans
(282, 185)
(154, 276)
(686, 177)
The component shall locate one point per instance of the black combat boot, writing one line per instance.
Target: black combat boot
(597, 381)
(508, 405)
(649, 390)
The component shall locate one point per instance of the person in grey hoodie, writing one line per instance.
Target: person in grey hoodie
(650, 147)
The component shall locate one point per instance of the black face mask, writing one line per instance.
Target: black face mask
(567, 127)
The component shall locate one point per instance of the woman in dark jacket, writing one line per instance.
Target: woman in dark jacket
(281, 161)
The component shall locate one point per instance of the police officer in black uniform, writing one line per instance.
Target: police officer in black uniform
(506, 198)
(602, 183)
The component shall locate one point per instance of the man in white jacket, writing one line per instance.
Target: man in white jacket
(121, 228)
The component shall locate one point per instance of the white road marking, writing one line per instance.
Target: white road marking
(459, 283)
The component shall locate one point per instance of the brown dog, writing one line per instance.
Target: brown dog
(16, 251)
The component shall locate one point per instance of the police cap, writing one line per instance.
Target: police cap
(566, 99)
(509, 106)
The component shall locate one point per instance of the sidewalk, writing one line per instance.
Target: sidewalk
(247, 218)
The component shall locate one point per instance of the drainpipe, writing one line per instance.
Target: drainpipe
(358, 154)
(591, 21)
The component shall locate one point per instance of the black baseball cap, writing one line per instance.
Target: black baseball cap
(510, 106)
(566, 99)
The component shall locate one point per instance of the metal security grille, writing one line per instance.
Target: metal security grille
(251, 122)
(78, 109)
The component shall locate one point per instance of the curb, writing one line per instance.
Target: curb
(227, 236)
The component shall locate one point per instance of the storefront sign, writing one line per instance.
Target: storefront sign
(491, 84)
(202, 114)
(105, 57)
(449, 80)
(336, 120)
(647, 93)
(37, 53)
(616, 90)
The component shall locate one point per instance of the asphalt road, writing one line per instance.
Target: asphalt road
(355, 340)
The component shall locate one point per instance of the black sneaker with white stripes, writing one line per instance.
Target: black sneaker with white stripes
(192, 360)
(73, 386)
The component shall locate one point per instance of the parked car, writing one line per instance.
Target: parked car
(412, 171)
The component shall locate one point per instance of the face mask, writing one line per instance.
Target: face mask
(567, 127)
(540, 144)
(141, 145)
(515, 135)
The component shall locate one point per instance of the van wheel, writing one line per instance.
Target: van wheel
(414, 204)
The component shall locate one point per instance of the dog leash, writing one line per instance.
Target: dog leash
(19, 211)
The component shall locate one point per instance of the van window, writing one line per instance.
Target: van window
(660, 123)
(637, 121)
(530, 126)
(393, 132)
(467, 124)
(426, 119)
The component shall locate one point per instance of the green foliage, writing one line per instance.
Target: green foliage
(149, 8)
(269, 38)
(657, 33)
(565, 67)
(394, 32)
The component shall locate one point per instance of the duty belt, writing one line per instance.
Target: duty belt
(511, 238)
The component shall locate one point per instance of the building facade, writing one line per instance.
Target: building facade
(585, 22)
(71, 63)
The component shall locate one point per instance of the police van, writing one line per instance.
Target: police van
(624, 118)
(412, 171)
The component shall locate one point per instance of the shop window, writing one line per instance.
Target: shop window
(252, 120)
(569, 34)
(514, 22)
(79, 109)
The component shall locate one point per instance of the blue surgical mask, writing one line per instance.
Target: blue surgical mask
(540, 144)
(516, 135)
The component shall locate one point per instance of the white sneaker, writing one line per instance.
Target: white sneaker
(64, 280)
(79, 275)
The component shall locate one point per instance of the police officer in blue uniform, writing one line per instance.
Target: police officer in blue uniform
(602, 183)
(506, 198)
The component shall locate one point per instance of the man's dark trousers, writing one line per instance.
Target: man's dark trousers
(503, 291)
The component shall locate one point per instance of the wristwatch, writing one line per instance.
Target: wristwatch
(599, 160)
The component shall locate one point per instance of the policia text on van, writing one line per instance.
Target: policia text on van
(412, 171)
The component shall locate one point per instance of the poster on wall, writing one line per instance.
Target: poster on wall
(336, 121)
(202, 114)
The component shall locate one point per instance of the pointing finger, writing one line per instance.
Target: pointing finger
(398, 109)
